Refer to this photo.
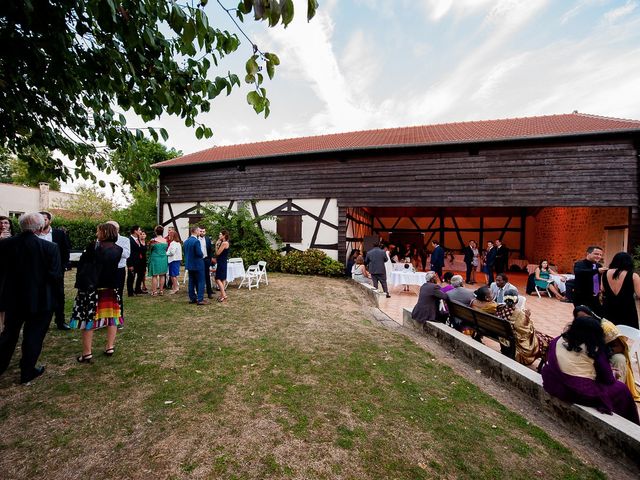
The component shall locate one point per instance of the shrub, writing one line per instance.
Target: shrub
(83, 231)
(309, 262)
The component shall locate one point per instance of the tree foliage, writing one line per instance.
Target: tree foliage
(32, 166)
(69, 69)
(133, 162)
(91, 204)
(141, 210)
(244, 231)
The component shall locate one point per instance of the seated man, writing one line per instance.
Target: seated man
(500, 286)
(459, 293)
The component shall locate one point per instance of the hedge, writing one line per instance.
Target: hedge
(309, 262)
(82, 232)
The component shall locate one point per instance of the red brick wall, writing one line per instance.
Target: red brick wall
(562, 234)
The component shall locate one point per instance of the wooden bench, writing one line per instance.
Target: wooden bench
(485, 325)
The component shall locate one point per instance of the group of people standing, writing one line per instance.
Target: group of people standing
(32, 281)
(162, 257)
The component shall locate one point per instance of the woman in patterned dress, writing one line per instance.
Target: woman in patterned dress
(97, 304)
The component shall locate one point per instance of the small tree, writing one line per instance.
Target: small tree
(91, 204)
(244, 231)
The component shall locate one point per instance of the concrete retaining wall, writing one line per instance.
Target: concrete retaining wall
(616, 435)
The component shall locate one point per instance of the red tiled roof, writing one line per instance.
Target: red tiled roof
(447, 133)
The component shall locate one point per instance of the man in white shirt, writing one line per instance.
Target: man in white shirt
(500, 286)
(122, 264)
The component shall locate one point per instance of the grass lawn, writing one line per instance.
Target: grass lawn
(289, 381)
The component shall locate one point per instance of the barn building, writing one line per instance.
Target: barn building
(548, 186)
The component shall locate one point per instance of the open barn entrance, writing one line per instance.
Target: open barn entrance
(559, 234)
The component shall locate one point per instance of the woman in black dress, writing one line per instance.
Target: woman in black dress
(222, 253)
(619, 284)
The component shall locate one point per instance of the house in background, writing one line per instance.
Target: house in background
(548, 186)
(16, 199)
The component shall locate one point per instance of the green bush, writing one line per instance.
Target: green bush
(309, 262)
(81, 232)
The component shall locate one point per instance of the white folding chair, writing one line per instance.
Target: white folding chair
(522, 301)
(632, 334)
(262, 272)
(544, 290)
(251, 277)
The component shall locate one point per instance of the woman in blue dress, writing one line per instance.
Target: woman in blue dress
(222, 253)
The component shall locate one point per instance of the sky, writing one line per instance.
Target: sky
(369, 64)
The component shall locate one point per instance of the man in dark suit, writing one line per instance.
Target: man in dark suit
(61, 239)
(437, 258)
(375, 265)
(205, 245)
(135, 263)
(195, 266)
(502, 257)
(29, 293)
(490, 261)
(587, 281)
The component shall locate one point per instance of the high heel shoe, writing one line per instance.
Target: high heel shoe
(85, 358)
(110, 351)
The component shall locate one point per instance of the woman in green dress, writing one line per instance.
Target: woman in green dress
(543, 279)
(157, 261)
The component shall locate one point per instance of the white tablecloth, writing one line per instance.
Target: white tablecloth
(560, 283)
(234, 270)
(408, 278)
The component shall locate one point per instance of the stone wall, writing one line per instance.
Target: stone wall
(562, 234)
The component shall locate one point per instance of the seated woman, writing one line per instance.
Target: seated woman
(359, 271)
(446, 282)
(578, 371)
(543, 279)
(484, 301)
(617, 350)
(530, 343)
(427, 308)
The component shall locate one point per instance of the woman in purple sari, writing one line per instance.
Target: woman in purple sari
(578, 371)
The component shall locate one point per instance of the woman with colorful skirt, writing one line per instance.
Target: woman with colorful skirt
(97, 304)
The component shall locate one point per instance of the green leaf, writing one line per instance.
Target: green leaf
(252, 66)
(287, 12)
(164, 134)
(189, 32)
(199, 133)
(312, 6)
(255, 100)
(102, 184)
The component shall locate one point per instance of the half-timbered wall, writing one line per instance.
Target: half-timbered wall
(319, 219)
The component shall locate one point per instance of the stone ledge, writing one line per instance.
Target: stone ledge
(613, 433)
(369, 291)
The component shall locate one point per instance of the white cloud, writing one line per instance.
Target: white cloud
(436, 10)
(616, 14)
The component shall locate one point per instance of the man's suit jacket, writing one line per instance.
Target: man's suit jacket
(209, 253)
(136, 257)
(60, 238)
(502, 258)
(491, 257)
(584, 271)
(193, 254)
(31, 274)
(375, 261)
(437, 257)
(468, 254)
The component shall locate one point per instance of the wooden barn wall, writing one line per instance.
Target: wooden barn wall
(585, 173)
